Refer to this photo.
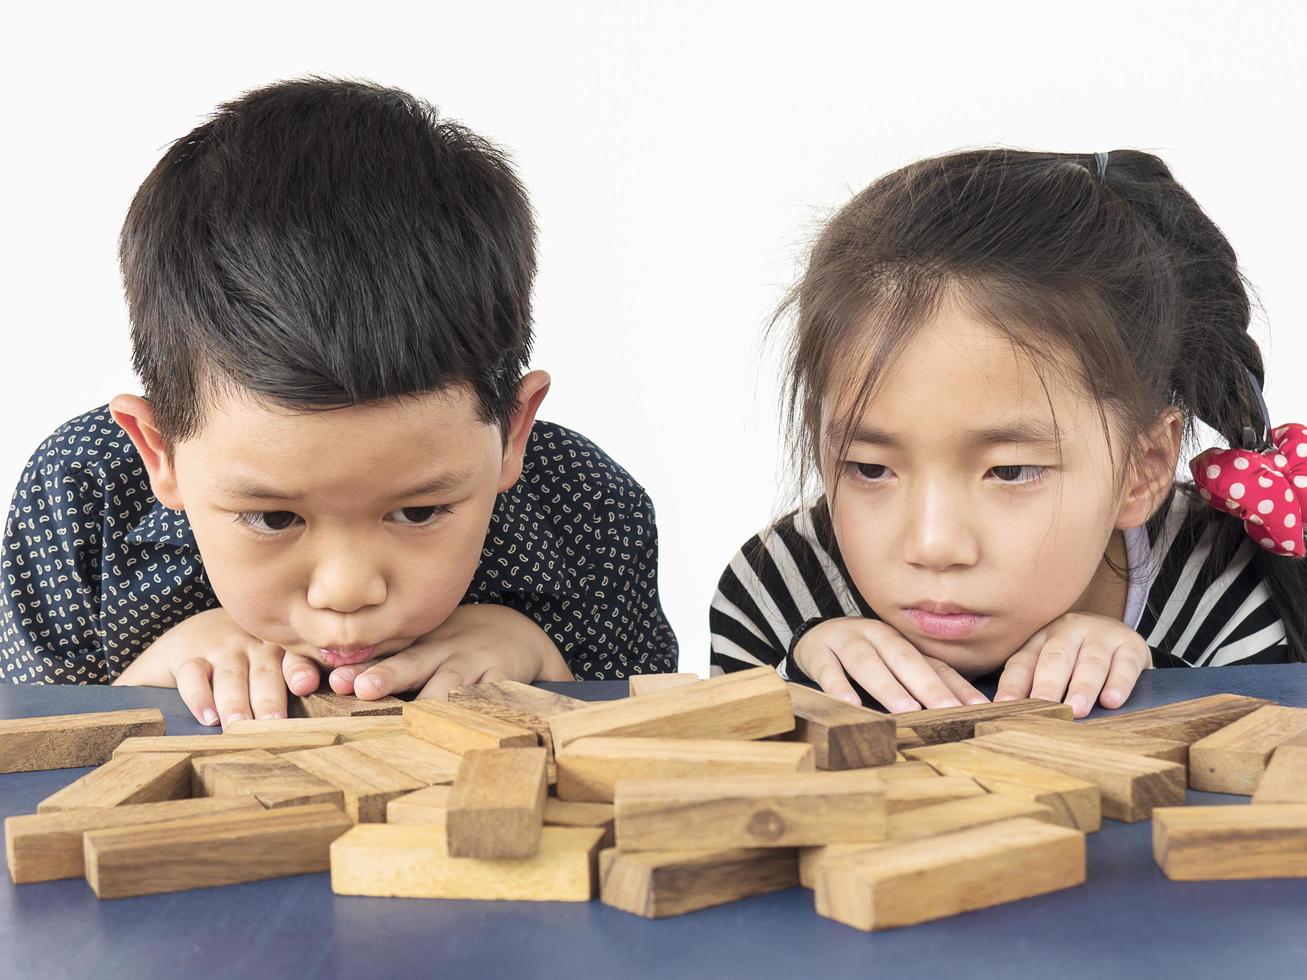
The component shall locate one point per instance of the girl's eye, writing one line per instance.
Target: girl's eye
(1018, 474)
(267, 521)
(868, 471)
(419, 516)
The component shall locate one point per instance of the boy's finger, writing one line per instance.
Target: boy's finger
(865, 666)
(959, 685)
(231, 688)
(267, 684)
(1128, 662)
(404, 671)
(917, 677)
(454, 672)
(301, 674)
(1087, 679)
(193, 685)
(1019, 671)
(1057, 660)
(819, 663)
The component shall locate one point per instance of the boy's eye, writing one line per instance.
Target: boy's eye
(419, 516)
(267, 521)
(1018, 474)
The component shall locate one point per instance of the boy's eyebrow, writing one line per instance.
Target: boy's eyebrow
(431, 486)
(1023, 431)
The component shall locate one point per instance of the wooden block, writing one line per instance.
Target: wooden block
(427, 763)
(1075, 803)
(71, 741)
(589, 768)
(345, 728)
(521, 705)
(48, 846)
(906, 738)
(200, 765)
(1131, 785)
(842, 736)
(1202, 843)
(498, 806)
(366, 782)
(197, 745)
(425, 806)
(460, 729)
(1232, 759)
(131, 779)
(1168, 750)
(326, 703)
(270, 779)
(648, 683)
(928, 821)
(906, 770)
(917, 881)
(560, 813)
(747, 704)
(221, 849)
(936, 725)
(912, 793)
(720, 813)
(1285, 779)
(410, 861)
(1183, 721)
(657, 884)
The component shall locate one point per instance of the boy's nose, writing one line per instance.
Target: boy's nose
(346, 585)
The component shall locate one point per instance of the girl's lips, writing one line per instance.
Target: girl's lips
(334, 659)
(946, 626)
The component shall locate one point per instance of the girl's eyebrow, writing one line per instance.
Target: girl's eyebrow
(1027, 431)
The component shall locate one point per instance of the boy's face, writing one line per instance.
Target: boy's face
(343, 535)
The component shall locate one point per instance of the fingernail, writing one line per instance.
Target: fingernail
(274, 715)
(301, 677)
(372, 682)
(900, 706)
(345, 673)
(236, 717)
(978, 699)
(1005, 697)
(1113, 696)
(209, 716)
(1079, 704)
(851, 698)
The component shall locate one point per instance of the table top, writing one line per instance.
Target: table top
(1127, 919)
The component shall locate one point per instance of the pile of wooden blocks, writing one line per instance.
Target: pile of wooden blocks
(685, 795)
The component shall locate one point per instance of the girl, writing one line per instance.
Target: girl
(998, 356)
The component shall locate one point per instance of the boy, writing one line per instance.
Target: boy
(336, 464)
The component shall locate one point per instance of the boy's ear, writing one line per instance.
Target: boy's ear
(136, 416)
(531, 391)
(1153, 474)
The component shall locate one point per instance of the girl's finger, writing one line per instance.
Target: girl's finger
(403, 671)
(1019, 672)
(864, 665)
(1088, 676)
(909, 666)
(193, 685)
(1128, 662)
(959, 685)
(301, 674)
(454, 672)
(231, 687)
(820, 663)
(1057, 660)
(267, 682)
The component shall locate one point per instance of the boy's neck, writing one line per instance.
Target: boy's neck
(1107, 593)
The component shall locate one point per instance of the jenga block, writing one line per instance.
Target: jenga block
(560, 813)
(842, 736)
(589, 768)
(326, 703)
(746, 704)
(1183, 721)
(521, 705)
(1202, 843)
(198, 745)
(906, 738)
(906, 770)
(130, 779)
(657, 884)
(270, 779)
(410, 861)
(649, 683)
(366, 782)
(720, 813)
(460, 729)
(936, 725)
(200, 765)
(71, 741)
(914, 792)
(927, 821)
(1232, 759)
(1168, 750)
(1131, 785)
(1285, 779)
(48, 846)
(423, 761)
(1075, 803)
(345, 728)
(498, 805)
(425, 806)
(917, 881)
(221, 849)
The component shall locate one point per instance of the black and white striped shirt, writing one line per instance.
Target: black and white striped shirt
(1195, 608)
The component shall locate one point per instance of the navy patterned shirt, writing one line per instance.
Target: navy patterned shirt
(94, 568)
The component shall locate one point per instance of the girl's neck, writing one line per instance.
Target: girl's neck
(1107, 591)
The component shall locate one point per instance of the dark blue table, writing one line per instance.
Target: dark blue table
(1127, 920)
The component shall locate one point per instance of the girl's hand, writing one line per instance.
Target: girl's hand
(887, 666)
(1077, 655)
(476, 644)
(221, 671)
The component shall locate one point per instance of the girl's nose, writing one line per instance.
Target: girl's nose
(939, 534)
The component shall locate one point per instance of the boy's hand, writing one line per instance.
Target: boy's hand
(887, 666)
(476, 644)
(221, 671)
(1077, 655)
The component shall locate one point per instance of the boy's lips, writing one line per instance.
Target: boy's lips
(344, 656)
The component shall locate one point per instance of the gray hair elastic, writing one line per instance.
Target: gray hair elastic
(1101, 160)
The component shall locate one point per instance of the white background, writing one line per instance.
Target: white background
(680, 157)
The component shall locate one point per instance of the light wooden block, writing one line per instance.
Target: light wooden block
(71, 741)
(937, 725)
(345, 728)
(521, 705)
(1131, 785)
(657, 884)
(48, 846)
(1183, 721)
(271, 779)
(221, 849)
(929, 821)
(411, 861)
(460, 729)
(1166, 749)
(906, 770)
(720, 813)
(560, 813)
(914, 792)
(1285, 779)
(917, 881)
(497, 810)
(1232, 759)
(589, 768)
(424, 806)
(747, 704)
(198, 745)
(366, 783)
(1075, 803)
(906, 738)
(326, 703)
(639, 684)
(1202, 843)
(430, 764)
(149, 778)
(842, 736)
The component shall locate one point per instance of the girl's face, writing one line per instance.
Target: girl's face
(961, 523)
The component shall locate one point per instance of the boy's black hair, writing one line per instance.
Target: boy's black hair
(320, 243)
